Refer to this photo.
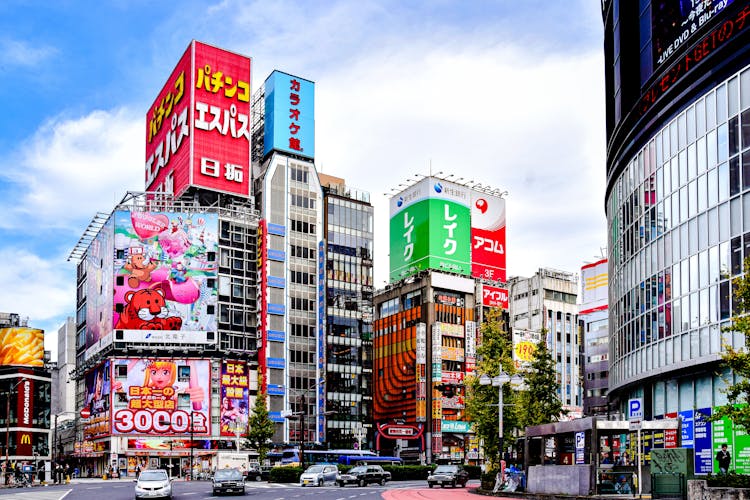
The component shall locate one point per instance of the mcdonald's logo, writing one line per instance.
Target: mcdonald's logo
(25, 438)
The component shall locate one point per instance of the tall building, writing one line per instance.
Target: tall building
(547, 301)
(25, 392)
(593, 318)
(349, 313)
(447, 239)
(678, 153)
(63, 393)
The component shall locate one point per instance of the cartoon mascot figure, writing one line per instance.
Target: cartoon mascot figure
(147, 310)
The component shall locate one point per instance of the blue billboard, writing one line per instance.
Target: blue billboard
(290, 115)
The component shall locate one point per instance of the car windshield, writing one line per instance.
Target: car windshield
(228, 474)
(153, 475)
(315, 469)
(445, 469)
(358, 469)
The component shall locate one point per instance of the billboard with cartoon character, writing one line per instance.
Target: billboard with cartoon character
(165, 273)
(161, 396)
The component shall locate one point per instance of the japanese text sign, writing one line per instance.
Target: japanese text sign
(289, 124)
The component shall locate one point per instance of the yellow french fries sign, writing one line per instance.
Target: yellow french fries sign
(22, 346)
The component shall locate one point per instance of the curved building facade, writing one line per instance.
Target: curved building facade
(677, 203)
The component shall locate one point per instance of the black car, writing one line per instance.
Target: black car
(448, 475)
(228, 481)
(255, 473)
(363, 475)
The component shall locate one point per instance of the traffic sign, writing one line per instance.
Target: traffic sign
(85, 412)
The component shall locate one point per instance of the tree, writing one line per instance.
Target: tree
(738, 361)
(261, 426)
(494, 353)
(539, 401)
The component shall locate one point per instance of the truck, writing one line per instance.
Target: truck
(232, 459)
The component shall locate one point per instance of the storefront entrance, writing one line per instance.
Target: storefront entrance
(171, 465)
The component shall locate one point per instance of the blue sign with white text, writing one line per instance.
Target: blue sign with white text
(289, 124)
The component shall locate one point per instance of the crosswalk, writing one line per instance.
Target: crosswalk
(36, 494)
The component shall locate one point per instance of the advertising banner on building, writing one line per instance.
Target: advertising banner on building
(98, 401)
(421, 362)
(198, 128)
(702, 441)
(430, 228)
(488, 236)
(493, 296)
(161, 396)
(524, 347)
(471, 346)
(594, 281)
(233, 413)
(289, 124)
(437, 353)
(99, 285)
(21, 346)
(165, 271)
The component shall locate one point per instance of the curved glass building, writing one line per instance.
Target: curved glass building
(678, 207)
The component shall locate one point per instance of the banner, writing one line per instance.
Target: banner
(98, 401)
(233, 413)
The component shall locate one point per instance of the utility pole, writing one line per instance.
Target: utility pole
(192, 430)
(303, 414)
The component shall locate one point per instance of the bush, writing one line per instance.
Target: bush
(408, 472)
(731, 480)
(488, 480)
(474, 471)
(284, 474)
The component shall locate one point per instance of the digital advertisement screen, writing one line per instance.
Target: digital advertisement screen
(21, 346)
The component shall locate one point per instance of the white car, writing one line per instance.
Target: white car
(153, 483)
(318, 475)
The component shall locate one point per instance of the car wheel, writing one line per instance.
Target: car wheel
(442, 485)
(382, 482)
(430, 485)
(321, 482)
(258, 478)
(453, 484)
(341, 485)
(362, 483)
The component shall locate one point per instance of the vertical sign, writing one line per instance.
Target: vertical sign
(421, 362)
(702, 441)
(262, 304)
(722, 433)
(233, 412)
(471, 347)
(686, 428)
(580, 448)
(437, 353)
(488, 236)
(670, 435)
(289, 115)
(321, 399)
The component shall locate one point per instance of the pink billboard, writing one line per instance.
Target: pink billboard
(198, 129)
(161, 396)
(487, 237)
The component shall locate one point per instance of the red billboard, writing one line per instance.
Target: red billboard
(487, 236)
(198, 128)
(493, 296)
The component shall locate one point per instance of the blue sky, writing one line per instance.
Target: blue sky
(508, 92)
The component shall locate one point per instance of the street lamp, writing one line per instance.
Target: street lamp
(499, 381)
(7, 424)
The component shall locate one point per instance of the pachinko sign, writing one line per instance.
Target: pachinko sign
(98, 401)
(164, 396)
(198, 128)
(165, 275)
(234, 398)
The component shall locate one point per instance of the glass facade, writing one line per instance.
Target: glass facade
(679, 228)
(349, 293)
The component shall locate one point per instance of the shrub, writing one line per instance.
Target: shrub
(284, 474)
(408, 472)
(474, 471)
(731, 480)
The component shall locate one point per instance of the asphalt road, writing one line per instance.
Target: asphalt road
(198, 490)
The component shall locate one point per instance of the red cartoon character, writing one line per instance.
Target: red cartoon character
(147, 310)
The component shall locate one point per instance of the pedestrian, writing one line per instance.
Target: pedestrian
(723, 458)
(66, 473)
(137, 471)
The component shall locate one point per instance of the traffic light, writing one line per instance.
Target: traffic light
(448, 390)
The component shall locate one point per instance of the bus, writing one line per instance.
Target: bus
(291, 456)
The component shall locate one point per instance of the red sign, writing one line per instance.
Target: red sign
(25, 403)
(85, 412)
(493, 296)
(198, 129)
(488, 237)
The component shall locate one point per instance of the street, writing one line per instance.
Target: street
(197, 490)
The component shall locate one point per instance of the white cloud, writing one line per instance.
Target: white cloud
(21, 53)
(73, 167)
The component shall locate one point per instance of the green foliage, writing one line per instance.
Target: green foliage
(408, 472)
(474, 471)
(481, 402)
(261, 427)
(738, 361)
(731, 480)
(285, 474)
(540, 403)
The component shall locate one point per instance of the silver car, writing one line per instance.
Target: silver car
(318, 475)
(153, 483)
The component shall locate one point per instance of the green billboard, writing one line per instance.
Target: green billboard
(430, 229)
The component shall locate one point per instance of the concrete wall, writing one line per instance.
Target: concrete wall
(699, 490)
(559, 479)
